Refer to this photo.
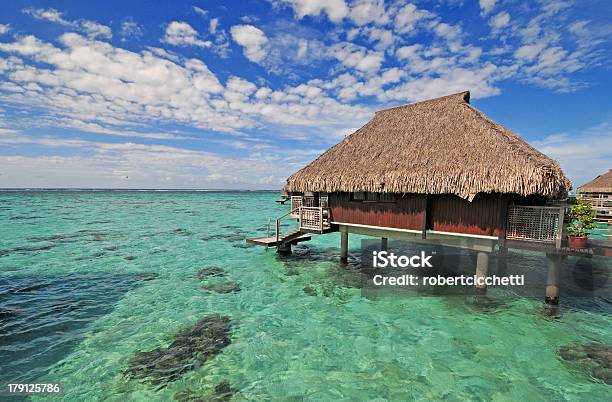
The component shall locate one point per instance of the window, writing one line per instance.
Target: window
(309, 201)
(323, 200)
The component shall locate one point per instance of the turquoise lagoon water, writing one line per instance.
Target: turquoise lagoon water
(72, 270)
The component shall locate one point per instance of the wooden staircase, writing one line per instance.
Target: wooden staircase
(310, 220)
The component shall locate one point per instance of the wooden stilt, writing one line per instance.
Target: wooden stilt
(482, 268)
(284, 248)
(344, 247)
(502, 261)
(384, 244)
(552, 279)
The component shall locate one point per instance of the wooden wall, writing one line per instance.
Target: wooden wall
(450, 213)
(405, 213)
(447, 213)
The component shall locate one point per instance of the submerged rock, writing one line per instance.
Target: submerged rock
(7, 313)
(181, 231)
(222, 392)
(228, 236)
(32, 288)
(146, 276)
(594, 358)
(22, 218)
(223, 287)
(191, 348)
(210, 272)
(309, 290)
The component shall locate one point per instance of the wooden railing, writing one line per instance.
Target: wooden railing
(542, 224)
(314, 218)
(601, 203)
(277, 230)
(296, 203)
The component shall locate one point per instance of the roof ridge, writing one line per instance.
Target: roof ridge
(465, 96)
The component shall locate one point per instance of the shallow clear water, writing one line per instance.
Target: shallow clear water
(79, 310)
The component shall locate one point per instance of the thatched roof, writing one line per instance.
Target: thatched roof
(438, 146)
(600, 184)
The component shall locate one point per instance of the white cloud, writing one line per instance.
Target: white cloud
(335, 10)
(212, 26)
(49, 14)
(358, 57)
(93, 86)
(252, 40)
(200, 11)
(500, 20)
(180, 33)
(408, 16)
(486, 5)
(447, 31)
(529, 52)
(368, 11)
(582, 155)
(130, 29)
(8, 131)
(130, 165)
(95, 30)
(4, 28)
(92, 29)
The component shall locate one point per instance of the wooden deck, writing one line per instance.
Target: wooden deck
(271, 241)
(595, 247)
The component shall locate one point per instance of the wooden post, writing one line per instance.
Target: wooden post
(277, 230)
(502, 261)
(284, 248)
(503, 217)
(482, 268)
(552, 279)
(344, 247)
(560, 228)
(384, 243)
(321, 219)
(426, 217)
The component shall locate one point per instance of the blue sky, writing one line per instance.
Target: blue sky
(203, 94)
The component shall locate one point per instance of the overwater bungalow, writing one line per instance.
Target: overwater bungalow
(437, 170)
(599, 193)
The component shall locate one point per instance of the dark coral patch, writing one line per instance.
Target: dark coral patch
(594, 358)
(222, 392)
(190, 348)
(210, 272)
(146, 276)
(223, 287)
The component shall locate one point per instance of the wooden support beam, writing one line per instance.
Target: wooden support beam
(384, 244)
(502, 261)
(482, 268)
(503, 218)
(426, 217)
(559, 237)
(552, 278)
(344, 246)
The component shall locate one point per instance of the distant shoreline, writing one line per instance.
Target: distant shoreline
(137, 190)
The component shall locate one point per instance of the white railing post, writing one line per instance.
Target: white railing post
(321, 219)
(300, 217)
(560, 227)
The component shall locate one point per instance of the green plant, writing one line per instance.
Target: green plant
(582, 214)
